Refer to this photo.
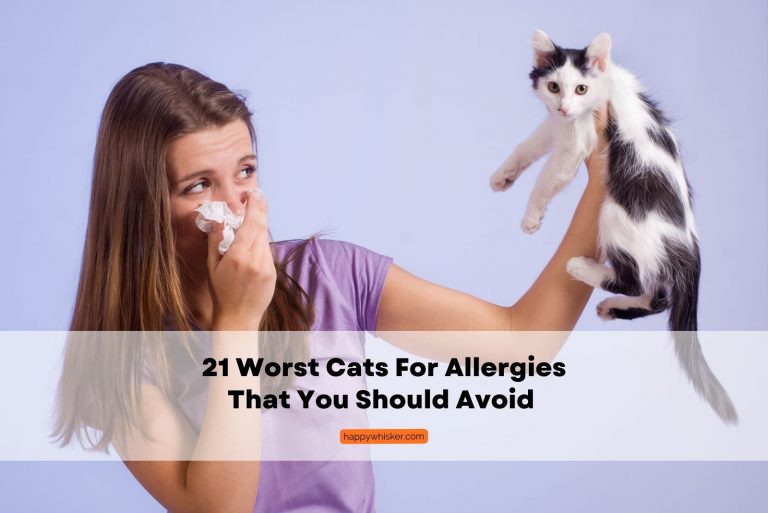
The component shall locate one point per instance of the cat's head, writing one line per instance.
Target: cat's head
(571, 82)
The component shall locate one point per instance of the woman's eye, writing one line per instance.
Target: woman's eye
(553, 87)
(250, 170)
(581, 89)
(198, 187)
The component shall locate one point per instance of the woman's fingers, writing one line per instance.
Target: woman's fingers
(255, 221)
(261, 241)
(251, 245)
(260, 203)
(601, 122)
(214, 238)
(601, 118)
(597, 160)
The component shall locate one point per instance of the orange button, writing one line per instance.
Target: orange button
(383, 436)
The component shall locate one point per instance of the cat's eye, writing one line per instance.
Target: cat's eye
(581, 89)
(553, 87)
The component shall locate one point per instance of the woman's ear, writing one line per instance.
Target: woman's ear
(599, 51)
(543, 48)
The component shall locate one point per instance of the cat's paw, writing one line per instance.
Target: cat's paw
(589, 271)
(578, 267)
(531, 222)
(605, 310)
(503, 179)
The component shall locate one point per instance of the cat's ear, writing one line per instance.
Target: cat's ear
(599, 51)
(543, 48)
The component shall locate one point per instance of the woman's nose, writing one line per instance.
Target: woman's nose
(235, 199)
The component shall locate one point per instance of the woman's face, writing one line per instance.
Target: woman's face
(216, 164)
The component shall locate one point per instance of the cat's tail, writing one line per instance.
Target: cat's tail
(683, 324)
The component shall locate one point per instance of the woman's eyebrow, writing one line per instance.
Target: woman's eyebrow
(204, 171)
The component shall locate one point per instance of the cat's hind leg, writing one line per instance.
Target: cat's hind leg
(525, 154)
(622, 278)
(633, 307)
(626, 274)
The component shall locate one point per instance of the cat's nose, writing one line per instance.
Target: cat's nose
(563, 110)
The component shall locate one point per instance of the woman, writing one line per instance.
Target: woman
(170, 138)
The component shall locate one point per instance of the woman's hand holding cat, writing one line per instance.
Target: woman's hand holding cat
(597, 161)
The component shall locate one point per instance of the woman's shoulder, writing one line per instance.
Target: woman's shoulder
(348, 276)
(328, 253)
(315, 239)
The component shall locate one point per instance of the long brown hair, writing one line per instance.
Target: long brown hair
(131, 277)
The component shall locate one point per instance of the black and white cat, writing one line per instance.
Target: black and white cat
(646, 225)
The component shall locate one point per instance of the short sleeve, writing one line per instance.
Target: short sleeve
(358, 274)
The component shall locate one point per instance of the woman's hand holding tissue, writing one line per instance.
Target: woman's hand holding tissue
(242, 281)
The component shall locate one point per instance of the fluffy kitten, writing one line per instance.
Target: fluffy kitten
(646, 225)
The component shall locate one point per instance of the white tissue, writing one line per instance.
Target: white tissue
(218, 212)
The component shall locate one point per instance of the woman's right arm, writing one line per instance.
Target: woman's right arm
(222, 475)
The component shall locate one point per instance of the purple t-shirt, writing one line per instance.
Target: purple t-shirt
(343, 279)
(344, 282)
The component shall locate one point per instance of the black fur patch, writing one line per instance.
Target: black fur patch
(637, 187)
(557, 59)
(682, 267)
(627, 274)
(660, 135)
(682, 264)
(653, 108)
(629, 313)
(660, 301)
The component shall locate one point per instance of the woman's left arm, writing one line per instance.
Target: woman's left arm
(553, 303)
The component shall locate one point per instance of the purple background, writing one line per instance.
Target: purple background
(382, 122)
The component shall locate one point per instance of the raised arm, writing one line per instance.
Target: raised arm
(554, 302)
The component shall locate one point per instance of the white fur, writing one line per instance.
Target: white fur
(642, 240)
(541, 44)
(600, 48)
(589, 271)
